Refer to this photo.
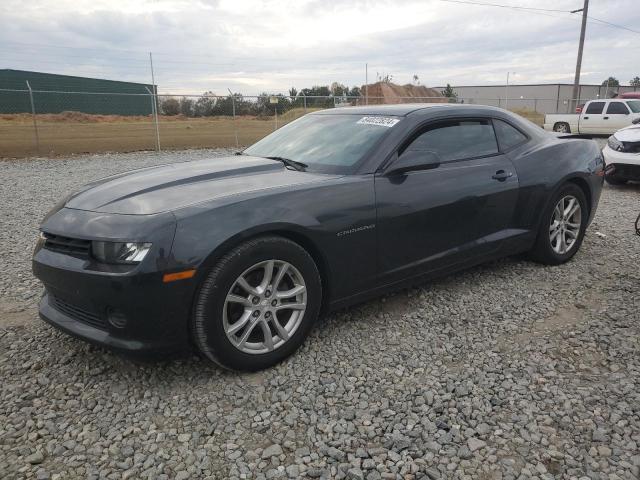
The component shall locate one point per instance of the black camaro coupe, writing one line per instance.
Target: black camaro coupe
(236, 257)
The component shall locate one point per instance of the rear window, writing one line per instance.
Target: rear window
(634, 106)
(595, 107)
(508, 136)
(616, 108)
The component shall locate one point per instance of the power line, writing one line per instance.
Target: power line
(614, 24)
(539, 10)
(514, 7)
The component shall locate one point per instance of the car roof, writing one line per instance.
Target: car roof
(401, 110)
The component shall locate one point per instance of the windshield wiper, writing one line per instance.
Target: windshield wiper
(301, 167)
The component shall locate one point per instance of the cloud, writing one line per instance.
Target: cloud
(254, 46)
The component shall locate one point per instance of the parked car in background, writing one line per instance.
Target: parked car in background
(236, 257)
(622, 155)
(635, 95)
(597, 117)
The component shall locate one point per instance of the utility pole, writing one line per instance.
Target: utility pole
(576, 81)
(506, 91)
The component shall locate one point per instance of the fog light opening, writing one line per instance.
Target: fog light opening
(116, 318)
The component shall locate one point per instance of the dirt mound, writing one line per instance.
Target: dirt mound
(383, 92)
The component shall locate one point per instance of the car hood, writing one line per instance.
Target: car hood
(629, 134)
(170, 187)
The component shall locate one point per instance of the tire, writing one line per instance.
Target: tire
(223, 304)
(562, 127)
(548, 249)
(615, 180)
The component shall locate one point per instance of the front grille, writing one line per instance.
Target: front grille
(70, 246)
(77, 313)
(631, 172)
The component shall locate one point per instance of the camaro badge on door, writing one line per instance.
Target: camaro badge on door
(355, 230)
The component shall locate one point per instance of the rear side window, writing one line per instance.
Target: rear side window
(595, 107)
(457, 140)
(617, 108)
(508, 136)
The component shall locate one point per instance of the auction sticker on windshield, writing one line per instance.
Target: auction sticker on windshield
(380, 121)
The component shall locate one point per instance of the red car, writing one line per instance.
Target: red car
(629, 95)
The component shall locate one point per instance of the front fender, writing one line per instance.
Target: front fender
(316, 215)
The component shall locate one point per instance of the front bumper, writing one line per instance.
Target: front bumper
(622, 165)
(129, 308)
(152, 317)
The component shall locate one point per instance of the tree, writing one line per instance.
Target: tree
(318, 91)
(384, 78)
(354, 92)
(186, 107)
(635, 81)
(611, 82)
(338, 89)
(416, 79)
(170, 106)
(205, 105)
(449, 92)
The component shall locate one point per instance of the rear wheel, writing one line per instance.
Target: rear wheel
(562, 127)
(562, 227)
(257, 304)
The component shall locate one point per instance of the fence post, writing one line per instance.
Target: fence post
(154, 113)
(33, 114)
(305, 102)
(233, 107)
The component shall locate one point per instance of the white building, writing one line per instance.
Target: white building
(542, 98)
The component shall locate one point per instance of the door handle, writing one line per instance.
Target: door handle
(605, 118)
(585, 118)
(501, 175)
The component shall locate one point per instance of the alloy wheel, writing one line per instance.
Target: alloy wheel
(264, 306)
(565, 224)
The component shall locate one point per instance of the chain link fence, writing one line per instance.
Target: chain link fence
(49, 123)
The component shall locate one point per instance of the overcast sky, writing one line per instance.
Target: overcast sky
(268, 46)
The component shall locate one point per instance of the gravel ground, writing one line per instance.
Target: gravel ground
(508, 370)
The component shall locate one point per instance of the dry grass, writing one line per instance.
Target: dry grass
(74, 132)
(531, 115)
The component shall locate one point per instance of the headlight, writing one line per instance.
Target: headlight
(615, 144)
(119, 252)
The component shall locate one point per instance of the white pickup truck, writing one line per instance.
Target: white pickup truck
(598, 117)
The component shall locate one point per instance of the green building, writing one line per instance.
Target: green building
(58, 93)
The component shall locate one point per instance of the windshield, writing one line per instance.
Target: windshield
(634, 105)
(331, 143)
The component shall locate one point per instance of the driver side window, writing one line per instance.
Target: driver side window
(457, 140)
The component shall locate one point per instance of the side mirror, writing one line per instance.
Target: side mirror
(636, 121)
(412, 160)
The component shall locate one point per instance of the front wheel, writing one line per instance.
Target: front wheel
(562, 227)
(257, 304)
